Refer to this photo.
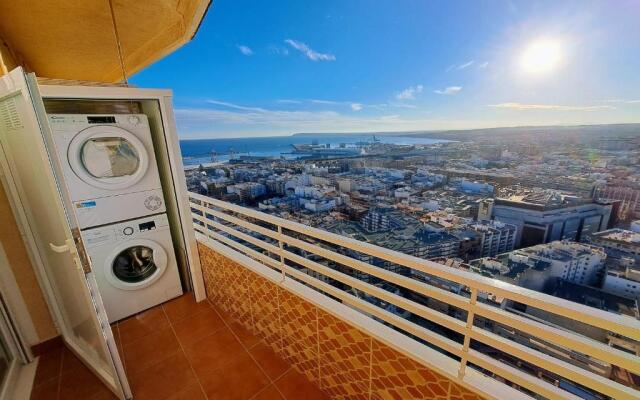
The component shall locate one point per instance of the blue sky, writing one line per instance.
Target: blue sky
(258, 68)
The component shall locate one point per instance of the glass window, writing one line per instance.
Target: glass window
(134, 264)
(109, 157)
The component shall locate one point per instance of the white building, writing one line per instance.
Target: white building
(495, 237)
(575, 262)
(624, 283)
(247, 190)
(618, 243)
(319, 205)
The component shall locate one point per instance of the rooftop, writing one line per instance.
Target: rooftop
(620, 236)
(594, 297)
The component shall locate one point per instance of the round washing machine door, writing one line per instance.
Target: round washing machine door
(135, 264)
(108, 157)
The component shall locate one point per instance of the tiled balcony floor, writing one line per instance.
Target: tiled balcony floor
(181, 350)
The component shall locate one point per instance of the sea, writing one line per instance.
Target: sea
(200, 151)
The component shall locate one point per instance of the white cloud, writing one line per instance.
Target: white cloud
(621, 101)
(234, 106)
(448, 90)
(551, 107)
(246, 50)
(356, 106)
(279, 50)
(466, 65)
(288, 101)
(309, 52)
(319, 101)
(225, 119)
(409, 93)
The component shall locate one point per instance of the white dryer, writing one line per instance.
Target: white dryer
(109, 166)
(134, 265)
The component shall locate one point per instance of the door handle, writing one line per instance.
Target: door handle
(66, 247)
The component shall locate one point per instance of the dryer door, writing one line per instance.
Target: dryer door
(108, 157)
(135, 264)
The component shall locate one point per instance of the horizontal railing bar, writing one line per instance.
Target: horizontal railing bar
(243, 223)
(398, 301)
(561, 337)
(246, 250)
(408, 283)
(571, 372)
(623, 325)
(364, 306)
(425, 334)
(531, 382)
(238, 234)
(403, 281)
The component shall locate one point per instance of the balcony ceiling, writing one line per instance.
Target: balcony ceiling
(75, 39)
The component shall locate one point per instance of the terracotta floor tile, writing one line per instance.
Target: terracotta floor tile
(225, 315)
(198, 326)
(240, 379)
(150, 350)
(184, 306)
(70, 362)
(294, 385)
(271, 363)
(46, 390)
(163, 379)
(103, 396)
(81, 384)
(247, 338)
(270, 393)
(214, 351)
(141, 325)
(193, 392)
(49, 366)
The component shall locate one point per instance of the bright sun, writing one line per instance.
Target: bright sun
(541, 56)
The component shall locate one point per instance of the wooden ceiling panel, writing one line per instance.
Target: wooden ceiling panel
(75, 39)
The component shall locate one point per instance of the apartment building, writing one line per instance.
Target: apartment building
(545, 216)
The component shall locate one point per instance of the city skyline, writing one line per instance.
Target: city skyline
(400, 66)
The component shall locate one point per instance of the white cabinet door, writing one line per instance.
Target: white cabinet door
(51, 230)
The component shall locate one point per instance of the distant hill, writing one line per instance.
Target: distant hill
(515, 132)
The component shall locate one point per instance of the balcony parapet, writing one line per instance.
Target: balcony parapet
(240, 246)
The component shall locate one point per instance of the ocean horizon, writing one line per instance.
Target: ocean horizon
(199, 151)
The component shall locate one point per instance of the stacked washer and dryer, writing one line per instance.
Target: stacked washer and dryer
(112, 177)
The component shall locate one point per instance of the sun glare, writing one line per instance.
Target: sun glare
(541, 57)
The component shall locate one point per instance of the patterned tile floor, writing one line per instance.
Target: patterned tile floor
(180, 350)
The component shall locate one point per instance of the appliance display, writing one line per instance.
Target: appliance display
(109, 166)
(134, 265)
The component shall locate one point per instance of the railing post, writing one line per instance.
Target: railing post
(281, 246)
(467, 332)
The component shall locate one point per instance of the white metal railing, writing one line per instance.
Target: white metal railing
(229, 224)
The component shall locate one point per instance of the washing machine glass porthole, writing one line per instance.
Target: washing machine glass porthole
(134, 264)
(109, 157)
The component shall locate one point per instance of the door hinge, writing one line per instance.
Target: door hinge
(82, 252)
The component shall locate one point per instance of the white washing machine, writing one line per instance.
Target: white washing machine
(109, 166)
(134, 264)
